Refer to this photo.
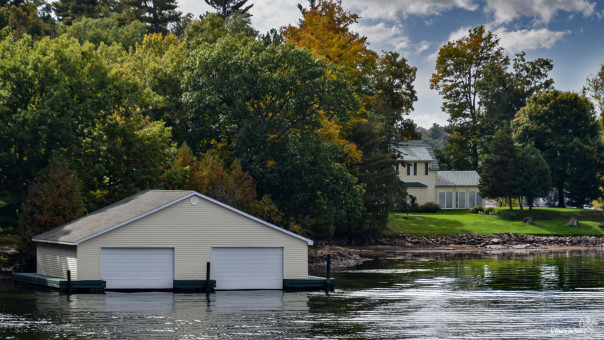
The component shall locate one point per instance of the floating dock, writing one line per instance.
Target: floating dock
(78, 286)
(59, 283)
(312, 283)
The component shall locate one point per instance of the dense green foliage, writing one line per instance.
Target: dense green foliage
(293, 126)
(483, 90)
(460, 69)
(269, 128)
(564, 127)
(531, 175)
(497, 168)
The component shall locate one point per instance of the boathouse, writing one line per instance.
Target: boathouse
(163, 239)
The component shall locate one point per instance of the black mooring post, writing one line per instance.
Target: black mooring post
(327, 281)
(208, 286)
(69, 282)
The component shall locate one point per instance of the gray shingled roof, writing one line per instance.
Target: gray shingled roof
(114, 214)
(129, 210)
(416, 150)
(457, 178)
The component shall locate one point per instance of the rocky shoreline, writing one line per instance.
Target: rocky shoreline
(347, 253)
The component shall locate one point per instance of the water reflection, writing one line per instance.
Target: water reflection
(499, 270)
(449, 295)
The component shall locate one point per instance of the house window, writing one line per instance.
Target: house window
(445, 199)
(460, 201)
(408, 169)
(426, 169)
(414, 169)
(474, 199)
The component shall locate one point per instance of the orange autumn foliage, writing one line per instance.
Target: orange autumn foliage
(231, 185)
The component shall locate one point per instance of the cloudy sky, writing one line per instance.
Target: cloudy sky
(570, 32)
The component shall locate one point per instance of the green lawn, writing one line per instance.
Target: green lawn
(548, 221)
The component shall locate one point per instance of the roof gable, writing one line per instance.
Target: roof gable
(416, 150)
(129, 210)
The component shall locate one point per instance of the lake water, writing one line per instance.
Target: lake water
(449, 295)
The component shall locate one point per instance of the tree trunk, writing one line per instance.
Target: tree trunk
(574, 222)
(529, 202)
(510, 202)
(520, 203)
(561, 203)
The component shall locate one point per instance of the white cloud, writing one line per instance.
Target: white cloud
(381, 34)
(391, 9)
(524, 40)
(422, 46)
(543, 10)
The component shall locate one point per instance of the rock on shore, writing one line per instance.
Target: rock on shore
(500, 240)
(340, 256)
(344, 253)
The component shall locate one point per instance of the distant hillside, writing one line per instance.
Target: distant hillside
(435, 136)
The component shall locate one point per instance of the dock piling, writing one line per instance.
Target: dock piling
(327, 280)
(69, 288)
(208, 287)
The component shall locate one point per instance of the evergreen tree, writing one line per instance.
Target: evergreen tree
(52, 200)
(384, 191)
(226, 8)
(497, 169)
(582, 186)
(67, 11)
(531, 174)
(25, 18)
(158, 14)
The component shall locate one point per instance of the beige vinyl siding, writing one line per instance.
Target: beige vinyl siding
(426, 194)
(192, 230)
(419, 193)
(55, 260)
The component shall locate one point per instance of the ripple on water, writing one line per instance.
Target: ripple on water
(444, 299)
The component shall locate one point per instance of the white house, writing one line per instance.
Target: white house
(157, 238)
(418, 168)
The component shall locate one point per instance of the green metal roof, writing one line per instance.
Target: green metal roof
(415, 185)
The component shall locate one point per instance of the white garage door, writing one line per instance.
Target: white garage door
(137, 268)
(247, 268)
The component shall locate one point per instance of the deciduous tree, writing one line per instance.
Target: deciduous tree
(563, 127)
(394, 92)
(503, 92)
(54, 95)
(53, 199)
(254, 96)
(107, 31)
(460, 67)
(325, 31)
